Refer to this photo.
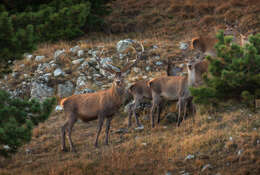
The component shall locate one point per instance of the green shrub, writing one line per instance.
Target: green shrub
(23, 24)
(14, 41)
(17, 119)
(234, 74)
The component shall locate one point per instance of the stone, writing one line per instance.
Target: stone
(81, 82)
(39, 58)
(189, 157)
(139, 128)
(65, 90)
(122, 45)
(205, 167)
(41, 91)
(58, 72)
(147, 68)
(44, 78)
(159, 63)
(74, 49)
(183, 46)
(80, 53)
(78, 61)
(58, 53)
(28, 57)
(84, 91)
(43, 67)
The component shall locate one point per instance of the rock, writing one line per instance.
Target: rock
(189, 157)
(41, 91)
(84, 91)
(128, 106)
(28, 151)
(65, 90)
(81, 82)
(159, 63)
(205, 167)
(6, 147)
(28, 57)
(122, 45)
(39, 58)
(25, 76)
(44, 78)
(58, 108)
(74, 49)
(136, 69)
(154, 47)
(147, 68)
(139, 128)
(58, 72)
(157, 57)
(80, 53)
(240, 152)
(43, 67)
(78, 61)
(121, 131)
(58, 53)
(183, 46)
(144, 144)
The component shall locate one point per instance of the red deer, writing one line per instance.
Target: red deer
(174, 88)
(98, 105)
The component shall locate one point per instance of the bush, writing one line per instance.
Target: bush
(234, 74)
(17, 119)
(14, 41)
(23, 24)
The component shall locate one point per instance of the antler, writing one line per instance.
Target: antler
(130, 65)
(101, 66)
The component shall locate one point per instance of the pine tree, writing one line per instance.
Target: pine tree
(234, 74)
(17, 119)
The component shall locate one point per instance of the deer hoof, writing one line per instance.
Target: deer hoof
(64, 149)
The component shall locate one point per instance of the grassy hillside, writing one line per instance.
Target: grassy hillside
(221, 142)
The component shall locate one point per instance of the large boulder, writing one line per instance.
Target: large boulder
(65, 90)
(122, 45)
(41, 91)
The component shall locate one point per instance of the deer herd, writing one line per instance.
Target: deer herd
(103, 104)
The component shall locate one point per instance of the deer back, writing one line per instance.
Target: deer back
(168, 86)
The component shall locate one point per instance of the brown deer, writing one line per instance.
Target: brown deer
(172, 88)
(98, 105)
(140, 91)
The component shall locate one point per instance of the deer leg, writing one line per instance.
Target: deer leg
(71, 122)
(107, 129)
(63, 129)
(154, 106)
(180, 105)
(100, 124)
(137, 103)
(159, 112)
(130, 112)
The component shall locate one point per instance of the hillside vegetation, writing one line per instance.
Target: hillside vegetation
(219, 141)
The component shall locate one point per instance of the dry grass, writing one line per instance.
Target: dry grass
(214, 140)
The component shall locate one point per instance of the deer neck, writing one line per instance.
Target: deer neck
(117, 92)
(191, 77)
